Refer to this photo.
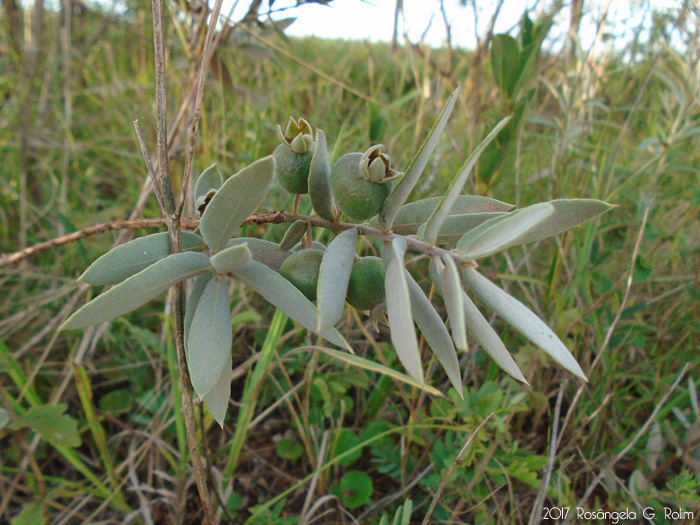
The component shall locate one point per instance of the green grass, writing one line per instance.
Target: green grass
(628, 141)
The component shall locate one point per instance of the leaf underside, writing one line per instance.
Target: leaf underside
(333, 278)
(138, 289)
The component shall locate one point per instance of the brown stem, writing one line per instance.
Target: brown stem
(257, 219)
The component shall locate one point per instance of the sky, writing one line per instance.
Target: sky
(373, 19)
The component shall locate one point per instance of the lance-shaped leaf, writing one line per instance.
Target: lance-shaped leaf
(210, 337)
(138, 289)
(366, 364)
(500, 233)
(262, 251)
(285, 296)
(456, 226)
(398, 305)
(292, 236)
(230, 258)
(333, 278)
(568, 213)
(210, 179)
(452, 294)
(487, 337)
(235, 200)
(132, 257)
(216, 400)
(320, 179)
(413, 215)
(200, 283)
(522, 319)
(435, 332)
(403, 189)
(442, 210)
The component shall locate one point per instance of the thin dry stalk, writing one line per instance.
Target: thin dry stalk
(457, 462)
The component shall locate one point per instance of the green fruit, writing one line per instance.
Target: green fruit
(361, 182)
(366, 286)
(292, 169)
(301, 269)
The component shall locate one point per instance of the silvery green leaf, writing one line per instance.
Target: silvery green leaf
(210, 337)
(452, 294)
(455, 226)
(398, 303)
(403, 189)
(210, 179)
(320, 179)
(138, 289)
(435, 332)
(443, 208)
(230, 258)
(200, 283)
(522, 319)
(500, 233)
(411, 216)
(216, 400)
(487, 337)
(132, 257)
(333, 278)
(235, 200)
(284, 295)
(264, 252)
(568, 213)
(293, 235)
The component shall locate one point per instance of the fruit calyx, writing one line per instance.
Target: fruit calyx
(375, 166)
(298, 136)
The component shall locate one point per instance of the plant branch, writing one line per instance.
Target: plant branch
(257, 219)
(189, 156)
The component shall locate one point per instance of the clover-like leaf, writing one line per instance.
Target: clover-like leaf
(240, 195)
(50, 422)
(230, 258)
(138, 289)
(333, 278)
(284, 295)
(522, 319)
(487, 337)
(132, 257)
(210, 337)
(435, 332)
(498, 234)
(398, 303)
(293, 235)
(437, 218)
(320, 179)
(403, 189)
(216, 400)
(355, 489)
(210, 179)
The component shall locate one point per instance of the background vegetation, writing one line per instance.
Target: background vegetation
(621, 292)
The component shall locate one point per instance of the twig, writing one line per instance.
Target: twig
(149, 167)
(457, 462)
(189, 155)
(257, 219)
